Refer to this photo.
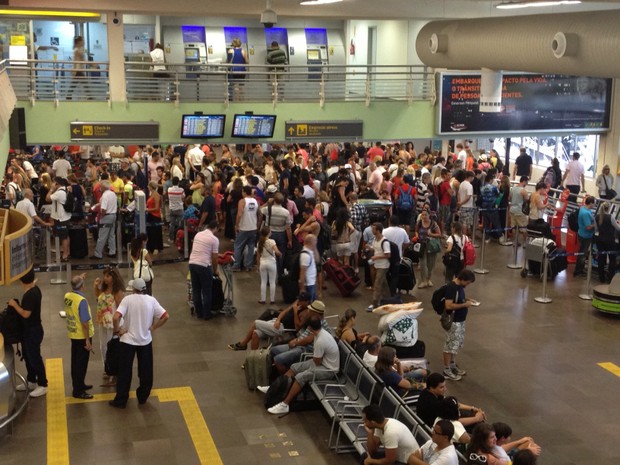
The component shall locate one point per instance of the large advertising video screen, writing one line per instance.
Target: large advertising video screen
(530, 103)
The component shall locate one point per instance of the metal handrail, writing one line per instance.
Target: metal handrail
(21, 408)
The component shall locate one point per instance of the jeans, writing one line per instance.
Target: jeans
(244, 239)
(574, 189)
(311, 290)
(202, 289)
(127, 352)
(107, 235)
(268, 273)
(31, 348)
(490, 219)
(176, 222)
(584, 248)
(79, 365)
(281, 243)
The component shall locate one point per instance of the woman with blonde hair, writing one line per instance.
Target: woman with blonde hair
(266, 254)
(605, 183)
(153, 220)
(109, 292)
(346, 329)
(177, 168)
(45, 185)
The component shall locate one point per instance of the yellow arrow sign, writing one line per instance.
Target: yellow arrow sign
(291, 131)
(76, 131)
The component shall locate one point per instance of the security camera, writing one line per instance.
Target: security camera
(116, 20)
(268, 18)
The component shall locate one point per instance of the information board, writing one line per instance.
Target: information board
(115, 131)
(324, 129)
(253, 126)
(202, 126)
(530, 103)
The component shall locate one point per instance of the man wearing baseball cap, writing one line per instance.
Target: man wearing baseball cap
(142, 315)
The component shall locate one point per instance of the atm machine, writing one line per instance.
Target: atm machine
(195, 53)
(316, 51)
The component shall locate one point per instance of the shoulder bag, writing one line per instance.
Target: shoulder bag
(144, 270)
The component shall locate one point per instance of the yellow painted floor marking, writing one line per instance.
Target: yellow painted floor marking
(57, 433)
(196, 425)
(611, 367)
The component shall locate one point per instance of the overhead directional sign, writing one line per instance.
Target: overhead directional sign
(115, 131)
(324, 129)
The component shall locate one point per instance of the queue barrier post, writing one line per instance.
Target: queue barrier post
(481, 269)
(119, 244)
(505, 241)
(185, 240)
(515, 251)
(48, 246)
(588, 294)
(544, 299)
(58, 265)
(128, 288)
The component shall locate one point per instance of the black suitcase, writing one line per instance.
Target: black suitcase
(78, 242)
(290, 289)
(217, 295)
(418, 350)
(406, 275)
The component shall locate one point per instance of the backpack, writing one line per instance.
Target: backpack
(549, 177)
(112, 357)
(453, 258)
(277, 391)
(405, 200)
(294, 272)
(394, 253)
(324, 239)
(438, 300)
(69, 204)
(19, 195)
(12, 326)
(469, 253)
(573, 220)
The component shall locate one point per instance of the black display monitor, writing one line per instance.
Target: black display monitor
(253, 126)
(530, 103)
(202, 126)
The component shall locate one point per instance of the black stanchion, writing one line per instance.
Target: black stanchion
(588, 294)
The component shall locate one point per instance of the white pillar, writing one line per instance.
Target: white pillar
(116, 57)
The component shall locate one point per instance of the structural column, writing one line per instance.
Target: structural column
(116, 55)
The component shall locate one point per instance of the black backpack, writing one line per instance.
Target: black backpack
(573, 220)
(12, 326)
(293, 272)
(69, 204)
(325, 237)
(394, 253)
(438, 300)
(277, 391)
(112, 357)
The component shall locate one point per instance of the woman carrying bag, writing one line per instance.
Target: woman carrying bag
(142, 262)
(428, 234)
(605, 183)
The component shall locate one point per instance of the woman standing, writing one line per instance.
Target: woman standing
(177, 168)
(109, 292)
(608, 228)
(483, 443)
(153, 220)
(455, 242)
(267, 251)
(341, 231)
(538, 202)
(140, 257)
(605, 183)
(427, 233)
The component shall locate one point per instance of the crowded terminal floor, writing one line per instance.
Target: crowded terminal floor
(533, 366)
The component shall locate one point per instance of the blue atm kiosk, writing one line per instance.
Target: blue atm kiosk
(316, 51)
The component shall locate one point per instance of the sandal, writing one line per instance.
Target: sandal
(236, 346)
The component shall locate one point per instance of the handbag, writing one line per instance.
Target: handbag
(433, 245)
(143, 271)
(610, 194)
(446, 319)
(525, 207)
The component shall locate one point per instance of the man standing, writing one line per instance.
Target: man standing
(30, 311)
(455, 337)
(398, 440)
(194, 159)
(246, 226)
(202, 267)
(585, 234)
(61, 167)
(81, 330)
(58, 196)
(279, 221)
(142, 315)
(108, 206)
(307, 267)
(176, 196)
(324, 365)
(360, 220)
(26, 206)
(276, 56)
(381, 260)
(523, 165)
(574, 177)
(439, 449)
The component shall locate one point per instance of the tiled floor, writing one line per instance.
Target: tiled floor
(531, 365)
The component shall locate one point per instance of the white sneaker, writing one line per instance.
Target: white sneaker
(429, 284)
(39, 391)
(278, 409)
(262, 389)
(22, 387)
(422, 285)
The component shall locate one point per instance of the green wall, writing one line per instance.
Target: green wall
(47, 124)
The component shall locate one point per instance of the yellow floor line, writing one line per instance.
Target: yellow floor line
(611, 367)
(57, 433)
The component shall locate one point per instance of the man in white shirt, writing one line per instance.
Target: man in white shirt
(375, 178)
(26, 207)
(372, 353)
(396, 234)
(176, 195)
(202, 268)
(398, 440)
(465, 200)
(142, 315)
(61, 167)
(108, 206)
(194, 158)
(574, 177)
(58, 196)
(439, 449)
(462, 154)
(307, 267)
(381, 261)
(246, 226)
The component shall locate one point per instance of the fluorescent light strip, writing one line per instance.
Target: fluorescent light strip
(527, 4)
(318, 2)
(77, 14)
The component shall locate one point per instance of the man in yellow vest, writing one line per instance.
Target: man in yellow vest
(81, 330)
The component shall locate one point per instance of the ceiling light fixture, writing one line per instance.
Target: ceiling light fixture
(76, 14)
(318, 2)
(509, 5)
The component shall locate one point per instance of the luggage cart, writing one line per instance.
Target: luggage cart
(225, 262)
(539, 243)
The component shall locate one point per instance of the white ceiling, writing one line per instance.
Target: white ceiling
(348, 9)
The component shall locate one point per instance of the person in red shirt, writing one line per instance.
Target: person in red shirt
(445, 200)
(374, 152)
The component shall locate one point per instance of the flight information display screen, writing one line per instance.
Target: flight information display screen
(530, 103)
(253, 125)
(202, 126)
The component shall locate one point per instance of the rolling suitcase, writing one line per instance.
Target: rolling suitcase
(217, 296)
(343, 276)
(258, 368)
(406, 275)
(78, 242)
(290, 289)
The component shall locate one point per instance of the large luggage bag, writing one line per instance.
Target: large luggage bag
(343, 276)
(217, 296)
(78, 242)
(290, 289)
(258, 368)
(418, 350)
(406, 275)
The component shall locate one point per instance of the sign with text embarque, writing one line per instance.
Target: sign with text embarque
(324, 129)
(115, 131)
